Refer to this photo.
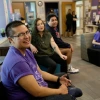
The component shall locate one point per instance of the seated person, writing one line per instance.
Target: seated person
(23, 21)
(96, 39)
(65, 48)
(21, 75)
(48, 53)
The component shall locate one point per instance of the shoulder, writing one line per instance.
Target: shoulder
(97, 33)
(49, 34)
(29, 53)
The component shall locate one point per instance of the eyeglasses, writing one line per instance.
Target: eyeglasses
(22, 35)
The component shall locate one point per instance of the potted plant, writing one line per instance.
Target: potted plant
(3, 33)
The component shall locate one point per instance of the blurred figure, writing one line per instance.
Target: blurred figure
(23, 21)
(74, 23)
(69, 20)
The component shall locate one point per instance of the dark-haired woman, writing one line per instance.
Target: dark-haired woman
(48, 53)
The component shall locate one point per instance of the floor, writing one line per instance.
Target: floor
(88, 79)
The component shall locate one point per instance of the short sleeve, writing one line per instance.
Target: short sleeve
(96, 36)
(49, 34)
(19, 70)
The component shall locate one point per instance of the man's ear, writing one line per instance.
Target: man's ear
(10, 39)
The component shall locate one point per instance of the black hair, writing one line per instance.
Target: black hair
(9, 28)
(35, 30)
(51, 15)
(98, 29)
(35, 25)
(21, 18)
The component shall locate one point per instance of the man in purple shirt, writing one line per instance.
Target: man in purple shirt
(21, 75)
(96, 39)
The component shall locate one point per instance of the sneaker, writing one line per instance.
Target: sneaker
(73, 70)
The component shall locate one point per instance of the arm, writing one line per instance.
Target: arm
(94, 42)
(71, 48)
(56, 49)
(30, 84)
(53, 78)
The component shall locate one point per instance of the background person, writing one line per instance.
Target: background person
(23, 21)
(64, 47)
(69, 19)
(74, 26)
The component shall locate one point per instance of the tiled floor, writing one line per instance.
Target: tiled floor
(88, 79)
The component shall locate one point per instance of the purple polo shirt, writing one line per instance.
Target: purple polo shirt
(97, 37)
(14, 67)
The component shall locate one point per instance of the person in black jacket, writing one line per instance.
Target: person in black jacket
(74, 23)
(65, 48)
(69, 19)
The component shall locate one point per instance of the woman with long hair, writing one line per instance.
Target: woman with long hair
(48, 53)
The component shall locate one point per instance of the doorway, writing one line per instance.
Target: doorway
(65, 7)
(53, 9)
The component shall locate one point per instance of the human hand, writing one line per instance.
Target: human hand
(63, 57)
(63, 89)
(74, 19)
(64, 80)
(33, 49)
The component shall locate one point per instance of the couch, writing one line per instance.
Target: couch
(87, 52)
(86, 42)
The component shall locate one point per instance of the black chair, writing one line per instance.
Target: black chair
(2, 92)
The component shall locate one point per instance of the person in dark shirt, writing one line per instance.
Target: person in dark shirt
(65, 48)
(74, 23)
(23, 21)
(69, 19)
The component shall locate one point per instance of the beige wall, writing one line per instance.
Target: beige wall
(42, 8)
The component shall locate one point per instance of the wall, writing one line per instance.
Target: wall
(94, 5)
(5, 12)
(2, 15)
(42, 8)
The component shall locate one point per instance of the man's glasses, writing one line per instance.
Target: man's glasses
(22, 35)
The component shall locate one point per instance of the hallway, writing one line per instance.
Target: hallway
(88, 79)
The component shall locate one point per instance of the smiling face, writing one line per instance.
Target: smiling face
(23, 40)
(53, 22)
(40, 26)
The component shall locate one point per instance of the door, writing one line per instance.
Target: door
(19, 7)
(65, 7)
